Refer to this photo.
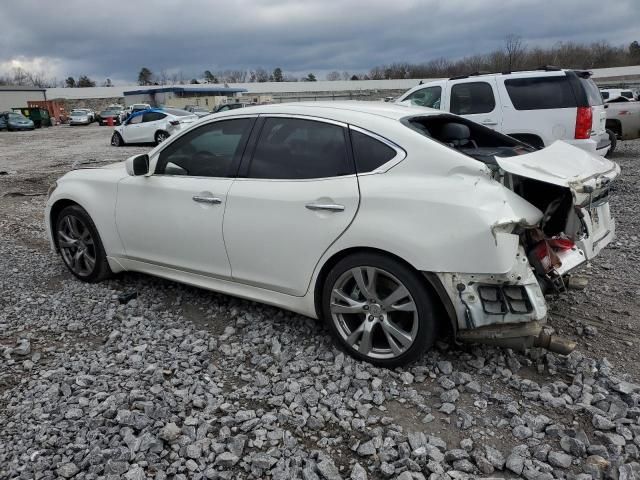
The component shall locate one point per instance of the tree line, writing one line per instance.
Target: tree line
(514, 54)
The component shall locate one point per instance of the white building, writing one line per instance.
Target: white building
(11, 97)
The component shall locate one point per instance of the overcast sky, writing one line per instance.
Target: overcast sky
(115, 39)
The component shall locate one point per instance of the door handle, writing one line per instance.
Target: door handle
(210, 200)
(489, 122)
(332, 207)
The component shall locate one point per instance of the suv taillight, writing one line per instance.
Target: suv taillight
(584, 118)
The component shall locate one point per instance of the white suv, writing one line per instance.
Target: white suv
(537, 107)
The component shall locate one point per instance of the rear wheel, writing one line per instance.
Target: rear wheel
(161, 136)
(80, 245)
(614, 142)
(116, 140)
(378, 309)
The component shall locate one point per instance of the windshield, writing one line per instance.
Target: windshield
(17, 116)
(593, 94)
(78, 112)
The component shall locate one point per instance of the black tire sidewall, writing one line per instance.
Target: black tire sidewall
(101, 269)
(411, 279)
(161, 132)
(614, 142)
(119, 141)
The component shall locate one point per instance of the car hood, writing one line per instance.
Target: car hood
(563, 165)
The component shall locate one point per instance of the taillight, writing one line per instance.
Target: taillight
(174, 122)
(584, 117)
(560, 243)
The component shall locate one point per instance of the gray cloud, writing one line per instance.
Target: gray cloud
(114, 39)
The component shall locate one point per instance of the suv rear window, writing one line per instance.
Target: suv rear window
(540, 93)
(593, 94)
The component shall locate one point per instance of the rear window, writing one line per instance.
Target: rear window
(541, 93)
(593, 94)
(369, 152)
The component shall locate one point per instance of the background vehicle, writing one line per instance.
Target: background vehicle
(39, 116)
(623, 119)
(154, 125)
(390, 245)
(613, 93)
(15, 121)
(80, 117)
(136, 107)
(537, 107)
(113, 113)
(197, 110)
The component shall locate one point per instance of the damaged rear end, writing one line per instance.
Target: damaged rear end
(567, 223)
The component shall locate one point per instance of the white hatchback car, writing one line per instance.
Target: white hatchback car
(388, 221)
(154, 125)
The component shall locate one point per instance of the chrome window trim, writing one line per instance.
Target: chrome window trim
(401, 154)
(305, 117)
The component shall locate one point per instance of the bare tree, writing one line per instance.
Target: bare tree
(333, 76)
(514, 50)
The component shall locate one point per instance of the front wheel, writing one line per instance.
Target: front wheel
(378, 309)
(116, 140)
(79, 244)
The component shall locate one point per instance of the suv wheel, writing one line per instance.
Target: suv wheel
(379, 309)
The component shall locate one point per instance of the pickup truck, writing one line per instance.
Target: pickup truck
(623, 120)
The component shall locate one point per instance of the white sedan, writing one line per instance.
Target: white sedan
(390, 222)
(153, 125)
(80, 117)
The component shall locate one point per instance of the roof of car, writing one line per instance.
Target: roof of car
(341, 109)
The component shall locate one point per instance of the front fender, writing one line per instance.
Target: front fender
(95, 190)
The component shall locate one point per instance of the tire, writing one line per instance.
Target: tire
(614, 142)
(348, 311)
(116, 140)
(80, 245)
(160, 136)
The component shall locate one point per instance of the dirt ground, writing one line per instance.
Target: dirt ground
(31, 161)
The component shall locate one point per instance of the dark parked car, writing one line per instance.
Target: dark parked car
(115, 114)
(15, 121)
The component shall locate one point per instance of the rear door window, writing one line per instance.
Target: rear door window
(540, 93)
(370, 153)
(293, 148)
(471, 98)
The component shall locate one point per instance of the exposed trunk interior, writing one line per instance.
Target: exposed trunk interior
(561, 225)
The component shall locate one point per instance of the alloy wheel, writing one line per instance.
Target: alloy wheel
(76, 245)
(374, 312)
(161, 137)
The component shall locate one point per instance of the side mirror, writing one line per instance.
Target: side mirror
(137, 165)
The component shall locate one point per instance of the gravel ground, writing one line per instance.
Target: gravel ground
(184, 383)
